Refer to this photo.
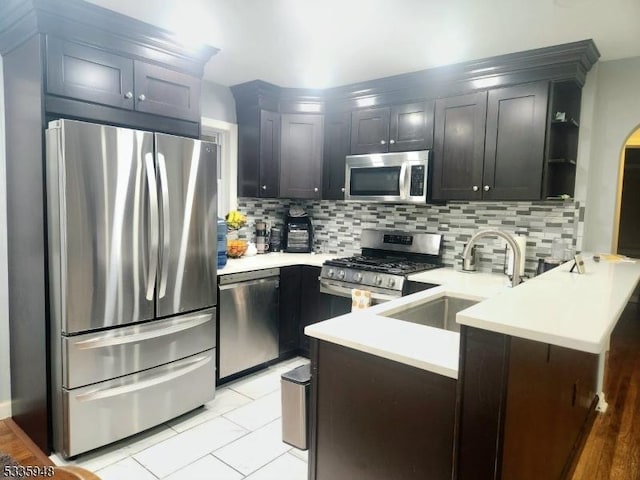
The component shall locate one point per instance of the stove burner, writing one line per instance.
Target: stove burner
(391, 265)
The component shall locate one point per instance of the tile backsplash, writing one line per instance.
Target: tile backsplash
(337, 224)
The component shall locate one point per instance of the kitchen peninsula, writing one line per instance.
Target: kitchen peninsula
(508, 397)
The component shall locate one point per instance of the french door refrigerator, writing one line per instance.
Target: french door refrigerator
(132, 280)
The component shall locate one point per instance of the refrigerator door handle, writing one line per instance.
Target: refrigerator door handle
(166, 224)
(155, 230)
(111, 340)
(98, 394)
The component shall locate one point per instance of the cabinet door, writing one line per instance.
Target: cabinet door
(458, 151)
(89, 74)
(514, 149)
(290, 279)
(301, 156)
(337, 141)
(313, 308)
(269, 156)
(411, 127)
(370, 131)
(165, 92)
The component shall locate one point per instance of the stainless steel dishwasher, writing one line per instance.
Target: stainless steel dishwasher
(248, 306)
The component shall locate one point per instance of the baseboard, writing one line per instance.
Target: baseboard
(5, 409)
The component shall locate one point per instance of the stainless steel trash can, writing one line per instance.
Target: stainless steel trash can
(296, 385)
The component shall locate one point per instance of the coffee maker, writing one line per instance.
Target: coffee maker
(298, 234)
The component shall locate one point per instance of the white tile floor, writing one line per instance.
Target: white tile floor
(235, 436)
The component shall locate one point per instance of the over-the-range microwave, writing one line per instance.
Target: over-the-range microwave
(399, 177)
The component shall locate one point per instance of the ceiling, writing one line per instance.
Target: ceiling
(323, 43)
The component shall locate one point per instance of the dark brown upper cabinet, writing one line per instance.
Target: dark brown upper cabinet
(337, 144)
(93, 75)
(491, 145)
(301, 156)
(514, 144)
(269, 159)
(370, 131)
(258, 153)
(411, 127)
(458, 150)
(165, 92)
(86, 73)
(392, 129)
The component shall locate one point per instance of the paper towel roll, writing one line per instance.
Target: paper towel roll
(521, 240)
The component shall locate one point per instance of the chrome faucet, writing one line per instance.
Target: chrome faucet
(517, 254)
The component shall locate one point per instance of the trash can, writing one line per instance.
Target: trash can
(296, 385)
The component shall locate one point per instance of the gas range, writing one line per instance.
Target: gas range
(387, 258)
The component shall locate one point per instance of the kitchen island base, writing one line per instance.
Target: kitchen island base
(376, 419)
(524, 406)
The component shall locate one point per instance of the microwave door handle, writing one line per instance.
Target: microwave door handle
(404, 194)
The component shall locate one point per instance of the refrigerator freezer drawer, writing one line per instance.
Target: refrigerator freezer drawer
(95, 357)
(103, 413)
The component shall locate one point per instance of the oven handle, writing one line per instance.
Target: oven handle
(332, 289)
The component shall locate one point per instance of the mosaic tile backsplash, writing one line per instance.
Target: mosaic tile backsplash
(337, 225)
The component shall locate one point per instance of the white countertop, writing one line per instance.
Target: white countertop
(561, 308)
(427, 348)
(474, 285)
(423, 347)
(273, 260)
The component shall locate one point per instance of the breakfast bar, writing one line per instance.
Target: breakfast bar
(524, 373)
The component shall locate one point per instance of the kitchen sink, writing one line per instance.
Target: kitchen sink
(439, 312)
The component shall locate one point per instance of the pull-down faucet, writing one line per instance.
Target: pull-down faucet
(466, 254)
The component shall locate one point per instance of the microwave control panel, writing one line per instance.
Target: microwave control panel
(416, 188)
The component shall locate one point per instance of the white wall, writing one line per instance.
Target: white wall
(217, 102)
(5, 383)
(616, 115)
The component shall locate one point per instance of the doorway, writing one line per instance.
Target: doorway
(629, 214)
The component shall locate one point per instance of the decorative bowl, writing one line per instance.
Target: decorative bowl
(236, 248)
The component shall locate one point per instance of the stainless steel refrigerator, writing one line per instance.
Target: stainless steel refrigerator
(132, 280)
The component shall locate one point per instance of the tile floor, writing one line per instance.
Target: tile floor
(235, 436)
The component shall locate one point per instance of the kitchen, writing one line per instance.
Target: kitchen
(589, 216)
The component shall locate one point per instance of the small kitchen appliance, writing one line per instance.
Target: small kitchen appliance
(399, 177)
(262, 236)
(386, 260)
(298, 234)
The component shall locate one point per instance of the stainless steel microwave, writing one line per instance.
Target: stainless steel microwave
(387, 177)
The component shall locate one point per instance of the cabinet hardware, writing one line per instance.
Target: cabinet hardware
(342, 189)
(382, 142)
(392, 142)
(142, 97)
(487, 188)
(128, 95)
(315, 189)
(264, 187)
(475, 188)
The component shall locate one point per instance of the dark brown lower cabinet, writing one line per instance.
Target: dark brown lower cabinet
(377, 419)
(289, 329)
(313, 304)
(523, 407)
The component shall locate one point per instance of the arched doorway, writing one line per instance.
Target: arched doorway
(628, 241)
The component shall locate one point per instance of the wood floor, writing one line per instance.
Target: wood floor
(611, 451)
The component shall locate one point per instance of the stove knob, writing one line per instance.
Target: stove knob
(330, 273)
(357, 277)
(377, 280)
(391, 282)
(341, 274)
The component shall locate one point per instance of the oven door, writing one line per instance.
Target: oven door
(340, 294)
